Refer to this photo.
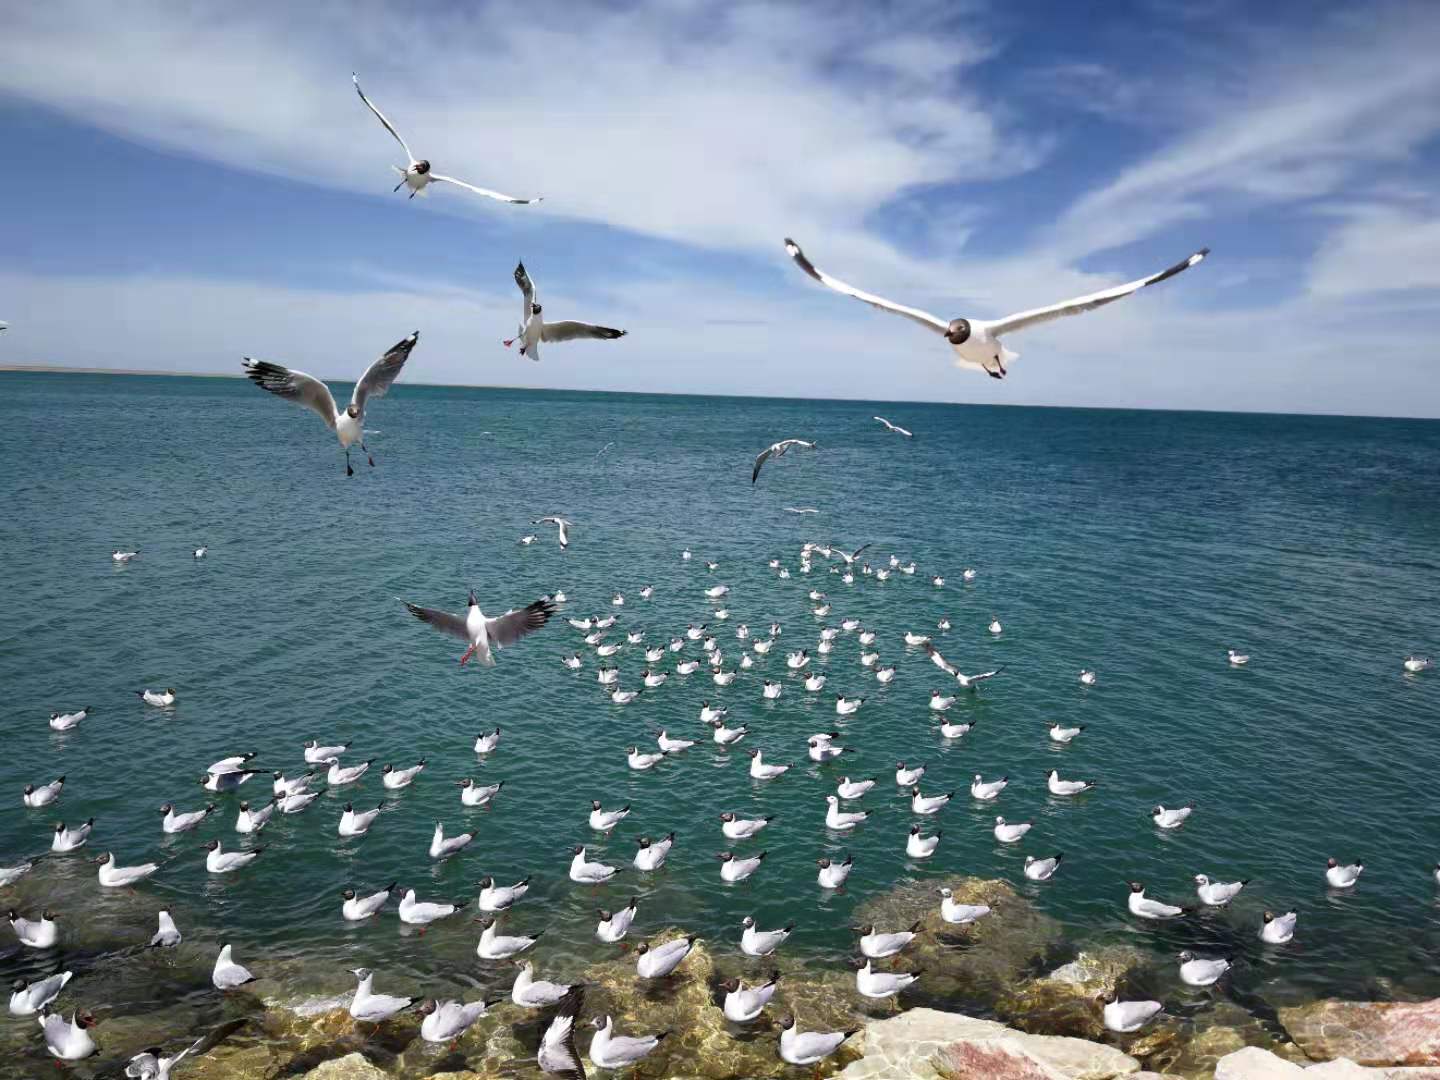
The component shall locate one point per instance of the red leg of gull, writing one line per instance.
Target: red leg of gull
(508, 342)
(466, 655)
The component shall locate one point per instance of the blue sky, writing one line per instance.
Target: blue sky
(202, 183)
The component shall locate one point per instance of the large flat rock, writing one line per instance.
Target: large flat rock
(1367, 1032)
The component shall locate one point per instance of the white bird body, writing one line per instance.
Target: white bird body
(892, 427)
(602, 820)
(531, 993)
(494, 946)
(728, 736)
(1278, 929)
(1042, 869)
(534, 329)
(653, 679)
(167, 934)
(249, 820)
(839, 820)
(735, 869)
(123, 556)
(315, 754)
(920, 847)
(219, 861)
(640, 760)
(68, 721)
(339, 775)
(473, 794)
(159, 698)
(295, 786)
(1416, 664)
(357, 822)
(1126, 1016)
(1008, 833)
(882, 984)
(807, 1047)
(1145, 908)
(987, 790)
(771, 690)
(1171, 818)
(738, 828)
(67, 1040)
(940, 702)
(848, 706)
(848, 789)
(119, 877)
(442, 846)
(422, 913)
(955, 730)
(928, 804)
(613, 926)
(611, 1051)
(394, 779)
(1197, 971)
(1087, 678)
(953, 911)
(908, 777)
(651, 855)
(41, 933)
(1342, 877)
(66, 839)
(1066, 787)
(495, 897)
(670, 745)
(585, 872)
(658, 961)
(744, 1004)
(487, 741)
(833, 873)
(761, 943)
(359, 908)
(1217, 893)
(227, 974)
(759, 770)
(1237, 658)
(448, 1020)
(1064, 734)
(370, 1007)
(484, 633)
(37, 796)
(30, 998)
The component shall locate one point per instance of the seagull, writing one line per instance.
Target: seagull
(1064, 734)
(953, 911)
(65, 839)
(1146, 908)
(1217, 893)
(200, 551)
(487, 741)
(1066, 787)
(888, 425)
(227, 974)
(955, 730)
(11, 874)
(394, 779)
(807, 1047)
(928, 804)
(66, 721)
(29, 998)
(422, 913)
(446, 1021)
(494, 946)
(293, 804)
(1196, 971)
(940, 702)
(534, 329)
(877, 946)
(661, 960)
(531, 993)
(123, 556)
(848, 790)
(219, 861)
(483, 632)
(306, 390)
(640, 760)
(1042, 869)
(586, 872)
(610, 1051)
(734, 869)
(167, 934)
(833, 874)
(995, 627)
(1171, 819)
(339, 775)
(1087, 678)
(976, 343)
(557, 1055)
(359, 908)
(847, 706)
(563, 528)
(761, 943)
(602, 820)
(921, 847)
(839, 820)
(252, 821)
(1237, 658)
(1277, 929)
(613, 927)
(801, 510)
(652, 854)
(822, 749)
(119, 877)
(473, 794)
(299, 785)
(500, 897)
(417, 174)
(882, 984)
(35, 797)
(1342, 877)
(738, 828)
(41, 933)
(357, 822)
(315, 754)
(779, 449)
(744, 1004)
(161, 699)
(1127, 1016)
(985, 790)
(67, 1040)
(371, 1007)
(728, 736)
(1008, 833)
(1416, 664)
(442, 847)
(528, 539)
(670, 745)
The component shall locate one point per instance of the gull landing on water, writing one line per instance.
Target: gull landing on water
(560, 524)
(306, 390)
(481, 632)
(976, 342)
(417, 174)
(534, 329)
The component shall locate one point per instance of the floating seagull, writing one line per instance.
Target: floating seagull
(219, 861)
(882, 984)
(1062, 734)
(613, 927)
(494, 946)
(446, 1021)
(953, 911)
(921, 847)
(738, 828)
(1087, 678)
(1066, 787)
(534, 329)
(640, 761)
(67, 721)
(531, 993)
(822, 749)
(848, 790)
(65, 839)
(315, 754)
(602, 820)
(370, 1007)
(1237, 658)
(306, 390)
(394, 779)
(744, 1004)
(985, 790)
(976, 342)
(123, 556)
(421, 913)
(483, 632)
(1171, 819)
(652, 854)
(473, 794)
(227, 974)
(252, 821)
(611, 1051)
(847, 706)
(494, 897)
(888, 425)
(940, 702)
(995, 627)
(1042, 869)
(417, 174)
(487, 741)
(200, 551)
(557, 1055)
(1342, 877)
(1008, 833)
(1127, 1016)
(907, 777)
(1416, 664)
(339, 775)
(359, 908)
(357, 823)
(43, 795)
(1197, 971)
(807, 1047)
(1277, 929)
(761, 943)
(529, 539)
(778, 449)
(159, 698)
(119, 877)
(67, 1040)
(283, 787)
(661, 960)
(442, 847)
(41, 933)
(728, 736)
(585, 872)
(833, 874)
(669, 745)
(167, 934)
(955, 730)
(734, 869)
(839, 820)
(29, 998)
(1217, 893)
(1146, 908)
(928, 804)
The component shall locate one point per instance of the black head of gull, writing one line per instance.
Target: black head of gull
(423, 167)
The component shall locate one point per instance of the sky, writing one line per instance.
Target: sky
(195, 183)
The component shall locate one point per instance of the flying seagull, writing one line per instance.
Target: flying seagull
(417, 175)
(534, 329)
(889, 426)
(977, 342)
(561, 524)
(778, 450)
(558, 1055)
(485, 633)
(349, 426)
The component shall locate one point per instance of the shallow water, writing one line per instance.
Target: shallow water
(1139, 544)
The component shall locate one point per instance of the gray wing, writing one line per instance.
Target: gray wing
(1023, 319)
(924, 318)
(381, 116)
(558, 1055)
(143, 1066)
(940, 661)
(376, 381)
(513, 625)
(441, 620)
(294, 386)
(567, 330)
(818, 1043)
(485, 191)
(527, 291)
(759, 461)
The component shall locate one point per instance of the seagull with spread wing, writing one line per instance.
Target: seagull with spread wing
(976, 342)
(534, 329)
(482, 632)
(777, 450)
(967, 682)
(417, 174)
(349, 426)
(561, 525)
(558, 1055)
(893, 427)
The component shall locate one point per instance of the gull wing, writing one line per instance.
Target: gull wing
(939, 661)
(763, 457)
(486, 191)
(527, 290)
(440, 620)
(924, 318)
(569, 331)
(381, 117)
(558, 1055)
(1022, 320)
(377, 380)
(513, 625)
(294, 386)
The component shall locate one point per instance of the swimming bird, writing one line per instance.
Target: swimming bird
(1087, 678)
(832, 874)
(167, 935)
(882, 984)
(68, 1040)
(1416, 664)
(1171, 819)
(11, 874)
(1062, 734)
(738, 828)
(995, 627)
(1008, 833)
(955, 729)
(1237, 658)
(35, 796)
(1042, 869)
(976, 343)
(807, 1047)
(652, 854)
(219, 861)
(1342, 877)
(822, 748)
(357, 908)
(417, 174)
(227, 974)
(339, 775)
(41, 933)
(987, 790)
(119, 877)
(801, 510)
(487, 741)
(442, 847)
(906, 776)
(1145, 908)
(759, 770)
(557, 1055)
(734, 869)
(534, 329)
(495, 897)
(1277, 929)
(349, 424)
(357, 822)
(1197, 971)
(65, 839)
(847, 706)
(728, 736)
(395, 779)
(921, 847)
(494, 946)
(370, 1007)
(655, 962)
(892, 427)
(1066, 787)
(779, 449)
(446, 1021)
(940, 702)
(26, 999)
(611, 1051)
(473, 794)
(531, 993)
(602, 820)
(957, 913)
(585, 872)
(613, 926)
(848, 790)
(1127, 1016)
(282, 787)
(652, 679)
(173, 822)
(1217, 893)
(928, 804)
(482, 632)
(68, 721)
(161, 699)
(771, 690)
(315, 754)
(669, 744)
(422, 913)
(877, 946)
(761, 943)
(743, 1004)
(123, 556)
(252, 821)
(640, 760)
(625, 697)
(839, 820)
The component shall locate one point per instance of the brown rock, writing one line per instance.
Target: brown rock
(1367, 1032)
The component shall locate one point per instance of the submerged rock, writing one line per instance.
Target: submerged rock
(350, 1067)
(1367, 1032)
(1064, 1001)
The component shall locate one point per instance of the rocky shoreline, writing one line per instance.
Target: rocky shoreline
(1002, 999)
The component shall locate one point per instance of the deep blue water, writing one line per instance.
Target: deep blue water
(1140, 544)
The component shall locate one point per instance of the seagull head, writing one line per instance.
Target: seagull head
(423, 167)
(361, 973)
(472, 601)
(958, 332)
(1186, 956)
(1136, 887)
(1330, 863)
(348, 894)
(352, 410)
(535, 309)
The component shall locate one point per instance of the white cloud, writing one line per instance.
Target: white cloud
(1378, 249)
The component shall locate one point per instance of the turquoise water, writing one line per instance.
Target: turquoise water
(1140, 544)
